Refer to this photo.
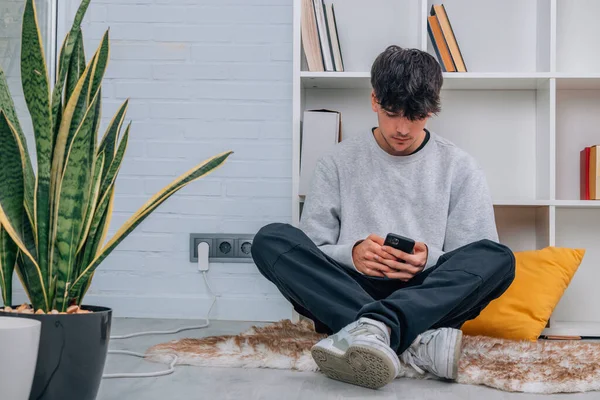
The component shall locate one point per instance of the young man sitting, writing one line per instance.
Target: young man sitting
(380, 305)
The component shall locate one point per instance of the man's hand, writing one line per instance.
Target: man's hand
(405, 266)
(368, 256)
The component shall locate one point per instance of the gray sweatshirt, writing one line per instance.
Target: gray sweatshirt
(438, 195)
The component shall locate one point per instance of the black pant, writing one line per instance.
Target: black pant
(448, 294)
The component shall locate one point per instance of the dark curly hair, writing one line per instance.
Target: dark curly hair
(407, 82)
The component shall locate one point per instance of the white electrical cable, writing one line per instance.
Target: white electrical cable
(174, 361)
(140, 375)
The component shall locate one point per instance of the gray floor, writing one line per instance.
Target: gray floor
(191, 383)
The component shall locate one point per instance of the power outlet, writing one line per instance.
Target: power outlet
(223, 247)
(243, 248)
(195, 240)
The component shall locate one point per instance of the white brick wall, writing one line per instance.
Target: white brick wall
(203, 76)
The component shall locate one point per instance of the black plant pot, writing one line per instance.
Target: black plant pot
(72, 354)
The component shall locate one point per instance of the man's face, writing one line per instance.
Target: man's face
(398, 135)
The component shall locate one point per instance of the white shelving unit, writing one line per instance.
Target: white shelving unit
(529, 103)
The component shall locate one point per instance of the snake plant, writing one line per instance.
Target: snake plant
(53, 223)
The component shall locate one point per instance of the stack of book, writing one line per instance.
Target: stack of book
(444, 41)
(320, 40)
(589, 173)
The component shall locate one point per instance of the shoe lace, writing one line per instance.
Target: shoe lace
(368, 329)
(409, 358)
(417, 351)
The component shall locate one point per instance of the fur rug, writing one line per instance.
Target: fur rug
(533, 367)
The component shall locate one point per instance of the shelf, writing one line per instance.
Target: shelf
(491, 80)
(459, 80)
(577, 203)
(522, 203)
(523, 111)
(452, 80)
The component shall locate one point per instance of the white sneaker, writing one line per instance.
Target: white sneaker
(359, 354)
(436, 351)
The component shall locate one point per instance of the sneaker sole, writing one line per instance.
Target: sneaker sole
(457, 337)
(360, 365)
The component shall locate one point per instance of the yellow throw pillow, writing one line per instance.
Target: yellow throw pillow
(523, 310)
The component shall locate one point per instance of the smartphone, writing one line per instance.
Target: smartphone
(400, 242)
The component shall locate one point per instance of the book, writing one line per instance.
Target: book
(320, 37)
(584, 173)
(334, 38)
(439, 44)
(310, 37)
(319, 7)
(589, 173)
(594, 173)
(439, 11)
(321, 131)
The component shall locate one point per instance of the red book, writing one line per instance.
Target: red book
(584, 174)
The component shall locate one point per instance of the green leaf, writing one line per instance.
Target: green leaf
(7, 105)
(63, 142)
(115, 165)
(8, 259)
(195, 173)
(37, 95)
(82, 103)
(108, 143)
(27, 269)
(93, 199)
(72, 204)
(65, 61)
(72, 115)
(81, 54)
(26, 282)
(91, 85)
(100, 66)
(96, 124)
(106, 193)
(94, 194)
(83, 291)
(104, 224)
(36, 87)
(11, 177)
(76, 66)
(13, 217)
(98, 229)
(52, 292)
(94, 243)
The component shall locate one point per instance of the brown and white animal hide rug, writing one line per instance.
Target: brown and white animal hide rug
(515, 366)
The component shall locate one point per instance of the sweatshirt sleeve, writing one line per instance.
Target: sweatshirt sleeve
(320, 219)
(470, 215)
